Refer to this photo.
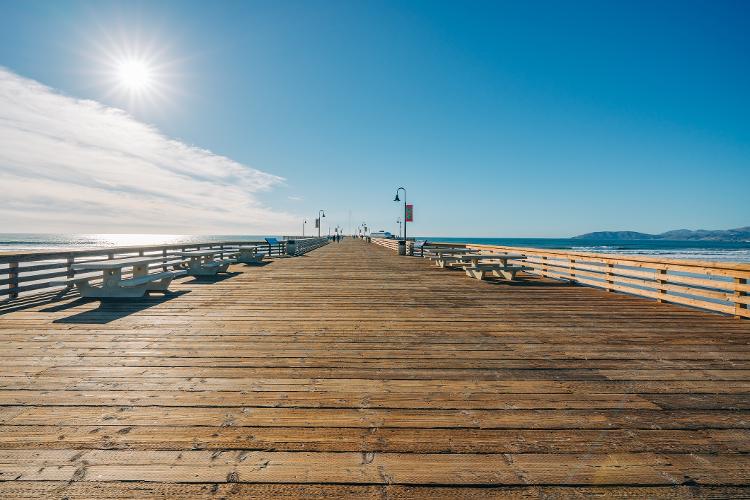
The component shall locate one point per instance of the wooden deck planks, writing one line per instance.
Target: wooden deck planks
(353, 372)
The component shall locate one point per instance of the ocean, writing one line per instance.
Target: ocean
(725, 251)
(700, 250)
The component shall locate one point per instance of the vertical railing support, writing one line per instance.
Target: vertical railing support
(661, 274)
(609, 278)
(164, 260)
(544, 266)
(69, 267)
(572, 270)
(740, 309)
(13, 276)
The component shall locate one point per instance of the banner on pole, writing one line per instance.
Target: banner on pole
(409, 216)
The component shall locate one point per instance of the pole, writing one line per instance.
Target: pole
(320, 220)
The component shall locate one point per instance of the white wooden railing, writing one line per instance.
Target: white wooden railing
(34, 271)
(716, 286)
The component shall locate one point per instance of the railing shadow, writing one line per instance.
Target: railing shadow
(36, 300)
(112, 309)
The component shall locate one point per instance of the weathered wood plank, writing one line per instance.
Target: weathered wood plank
(376, 372)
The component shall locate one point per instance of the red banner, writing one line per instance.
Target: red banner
(409, 215)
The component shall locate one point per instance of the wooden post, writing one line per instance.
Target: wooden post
(111, 255)
(572, 269)
(221, 251)
(544, 266)
(740, 309)
(13, 276)
(661, 282)
(164, 261)
(69, 266)
(610, 278)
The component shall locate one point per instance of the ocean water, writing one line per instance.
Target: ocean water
(700, 250)
(724, 251)
(10, 242)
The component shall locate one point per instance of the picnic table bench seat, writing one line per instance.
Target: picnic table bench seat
(251, 255)
(148, 278)
(481, 270)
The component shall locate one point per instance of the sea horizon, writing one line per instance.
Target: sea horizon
(724, 251)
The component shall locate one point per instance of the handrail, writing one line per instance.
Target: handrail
(29, 271)
(300, 246)
(386, 242)
(715, 286)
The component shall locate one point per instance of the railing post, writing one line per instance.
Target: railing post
(609, 278)
(661, 274)
(13, 276)
(572, 269)
(69, 266)
(164, 260)
(740, 309)
(544, 266)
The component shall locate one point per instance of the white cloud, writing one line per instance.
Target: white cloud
(76, 165)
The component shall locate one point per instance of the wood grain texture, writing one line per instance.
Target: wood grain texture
(352, 372)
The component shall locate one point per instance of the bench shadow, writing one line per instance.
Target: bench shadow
(112, 309)
(524, 281)
(201, 280)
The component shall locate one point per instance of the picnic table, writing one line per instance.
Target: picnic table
(447, 257)
(479, 265)
(250, 254)
(113, 285)
(202, 262)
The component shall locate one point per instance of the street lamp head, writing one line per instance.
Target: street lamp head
(396, 198)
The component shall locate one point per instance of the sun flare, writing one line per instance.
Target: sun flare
(135, 75)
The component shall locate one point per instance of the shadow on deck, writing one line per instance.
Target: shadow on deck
(354, 372)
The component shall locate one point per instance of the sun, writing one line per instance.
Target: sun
(134, 75)
(134, 70)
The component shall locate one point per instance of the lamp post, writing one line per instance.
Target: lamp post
(398, 199)
(303, 227)
(399, 227)
(321, 213)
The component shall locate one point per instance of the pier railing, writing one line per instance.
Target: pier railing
(35, 271)
(388, 243)
(716, 286)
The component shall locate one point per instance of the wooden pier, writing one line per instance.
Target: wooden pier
(352, 372)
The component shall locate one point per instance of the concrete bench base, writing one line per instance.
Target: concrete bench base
(126, 288)
(481, 271)
(247, 258)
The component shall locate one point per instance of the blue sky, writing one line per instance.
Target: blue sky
(500, 119)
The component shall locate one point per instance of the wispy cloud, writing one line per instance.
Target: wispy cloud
(295, 198)
(68, 164)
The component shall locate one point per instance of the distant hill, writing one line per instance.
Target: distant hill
(739, 234)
